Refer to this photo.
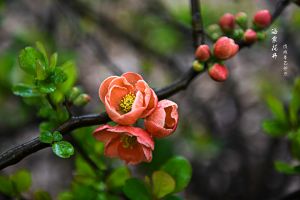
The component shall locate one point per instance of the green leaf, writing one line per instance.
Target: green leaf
(42, 49)
(294, 136)
(180, 169)
(286, 168)
(41, 195)
(21, 181)
(65, 196)
(163, 184)
(276, 108)
(63, 149)
(118, 177)
(275, 128)
(57, 136)
(24, 90)
(28, 58)
(40, 71)
(58, 76)
(53, 61)
(46, 88)
(172, 197)
(294, 106)
(135, 189)
(6, 186)
(46, 137)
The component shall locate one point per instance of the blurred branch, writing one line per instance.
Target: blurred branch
(292, 196)
(16, 154)
(197, 24)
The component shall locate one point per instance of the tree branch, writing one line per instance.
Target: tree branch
(197, 24)
(16, 154)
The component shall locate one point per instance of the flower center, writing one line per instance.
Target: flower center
(128, 141)
(126, 102)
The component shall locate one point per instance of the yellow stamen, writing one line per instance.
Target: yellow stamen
(128, 141)
(126, 102)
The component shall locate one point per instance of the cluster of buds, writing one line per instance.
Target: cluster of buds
(224, 48)
(230, 26)
(237, 26)
(77, 97)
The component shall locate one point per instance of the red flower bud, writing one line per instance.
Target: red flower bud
(227, 22)
(262, 18)
(218, 72)
(225, 48)
(202, 53)
(250, 36)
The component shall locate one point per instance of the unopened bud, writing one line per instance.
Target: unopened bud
(227, 22)
(218, 72)
(74, 93)
(250, 36)
(197, 66)
(82, 100)
(261, 35)
(241, 19)
(238, 34)
(262, 19)
(202, 53)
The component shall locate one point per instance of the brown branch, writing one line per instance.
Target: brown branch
(16, 154)
(197, 25)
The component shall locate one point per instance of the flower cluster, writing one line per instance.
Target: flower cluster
(230, 26)
(224, 48)
(237, 26)
(128, 98)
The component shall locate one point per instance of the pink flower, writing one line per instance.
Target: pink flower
(131, 144)
(227, 22)
(262, 18)
(163, 121)
(225, 48)
(218, 72)
(127, 98)
(202, 53)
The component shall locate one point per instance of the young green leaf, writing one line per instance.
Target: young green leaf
(276, 108)
(28, 58)
(172, 197)
(53, 61)
(40, 71)
(274, 128)
(57, 136)
(118, 177)
(63, 149)
(180, 169)
(286, 168)
(163, 184)
(6, 186)
(58, 76)
(46, 137)
(42, 49)
(135, 189)
(21, 181)
(41, 195)
(24, 90)
(46, 87)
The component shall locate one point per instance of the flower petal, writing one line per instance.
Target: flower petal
(132, 77)
(104, 87)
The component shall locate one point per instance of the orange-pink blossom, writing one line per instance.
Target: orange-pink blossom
(163, 121)
(127, 98)
(131, 144)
